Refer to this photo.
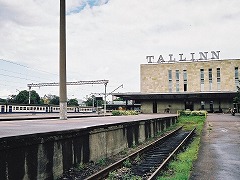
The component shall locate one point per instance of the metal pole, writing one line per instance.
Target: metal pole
(62, 59)
(93, 103)
(105, 97)
(29, 96)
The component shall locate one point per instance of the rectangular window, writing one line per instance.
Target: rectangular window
(170, 80)
(177, 87)
(185, 75)
(185, 87)
(177, 75)
(210, 79)
(236, 77)
(185, 80)
(177, 80)
(218, 79)
(202, 79)
(169, 74)
(236, 72)
(170, 86)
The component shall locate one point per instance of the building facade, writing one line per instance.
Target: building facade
(198, 76)
(196, 85)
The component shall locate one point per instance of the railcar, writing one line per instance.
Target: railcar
(43, 109)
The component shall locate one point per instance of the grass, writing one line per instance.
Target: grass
(180, 168)
(101, 162)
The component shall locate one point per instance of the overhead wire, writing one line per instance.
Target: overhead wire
(30, 68)
(23, 74)
(9, 85)
(8, 61)
(15, 82)
(31, 75)
(28, 76)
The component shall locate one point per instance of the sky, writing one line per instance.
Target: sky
(107, 39)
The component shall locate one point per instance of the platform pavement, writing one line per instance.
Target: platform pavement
(219, 153)
(24, 127)
(32, 116)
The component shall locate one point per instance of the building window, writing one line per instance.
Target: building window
(170, 80)
(177, 80)
(236, 78)
(184, 80)
(202, 79)
(218, 79)
(210, 79)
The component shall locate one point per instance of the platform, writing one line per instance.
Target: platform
(219, 153)
(14, 127)
(45, 148)
(38, 116)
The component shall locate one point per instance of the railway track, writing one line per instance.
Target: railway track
(149, 161)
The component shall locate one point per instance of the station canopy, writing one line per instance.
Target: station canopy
(177, 95)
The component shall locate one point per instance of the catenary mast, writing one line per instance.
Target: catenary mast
(62, 61)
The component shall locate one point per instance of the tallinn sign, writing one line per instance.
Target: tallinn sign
(202, 56)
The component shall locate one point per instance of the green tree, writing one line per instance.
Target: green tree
(73, 102)
(41, 101)
(54, 100)
(11, 99)
(97, 101)
(22, 97)
(2, 101)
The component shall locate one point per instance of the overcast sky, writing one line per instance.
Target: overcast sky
(108, 39)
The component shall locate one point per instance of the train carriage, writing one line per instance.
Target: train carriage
(26, 109)
(43, 109)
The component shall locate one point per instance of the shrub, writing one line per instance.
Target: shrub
(192, 113)
(123, 113)
(116, 113)
(198, 113)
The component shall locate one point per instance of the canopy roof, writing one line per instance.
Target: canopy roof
(177, 95)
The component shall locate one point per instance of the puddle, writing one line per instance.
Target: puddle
(223, 130)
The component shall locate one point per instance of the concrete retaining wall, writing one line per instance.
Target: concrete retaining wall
(47, 155)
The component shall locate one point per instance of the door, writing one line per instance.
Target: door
(154, 106)
(189, 105)
(211, 107)
(202, 105)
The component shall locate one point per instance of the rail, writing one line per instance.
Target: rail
(104, 173)
(159, 169)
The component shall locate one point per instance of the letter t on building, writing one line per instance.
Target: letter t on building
(149, 59)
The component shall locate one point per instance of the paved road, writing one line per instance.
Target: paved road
(219, 153)
(23, 127)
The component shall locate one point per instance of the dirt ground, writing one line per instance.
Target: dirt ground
(219, 153)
